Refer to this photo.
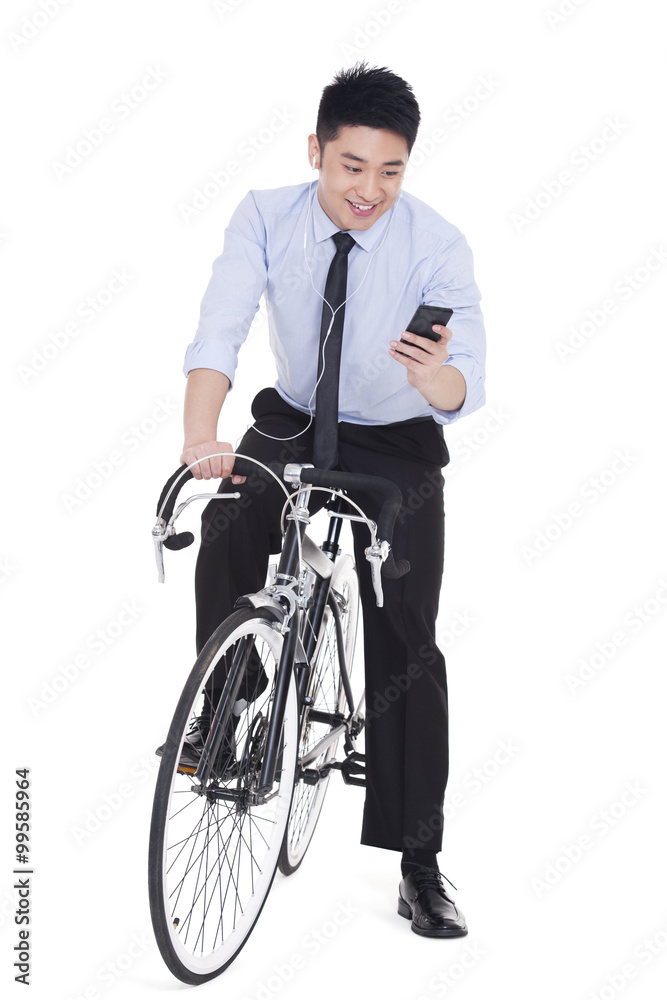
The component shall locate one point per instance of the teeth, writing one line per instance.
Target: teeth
(362, 208)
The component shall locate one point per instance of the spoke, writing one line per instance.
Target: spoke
(188, 919)
(179, 885)
(170, 847)
(220, 927)
(218, 884)
(188, 916)
(192, 802)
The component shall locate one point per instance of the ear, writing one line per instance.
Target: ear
(313, 152)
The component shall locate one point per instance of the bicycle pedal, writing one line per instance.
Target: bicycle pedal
(353, 769)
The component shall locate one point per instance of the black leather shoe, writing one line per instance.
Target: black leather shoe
(422, 899)
(193, 745)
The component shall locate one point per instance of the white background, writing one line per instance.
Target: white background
(551, 428)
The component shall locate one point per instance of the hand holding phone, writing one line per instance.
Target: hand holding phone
(422, 323)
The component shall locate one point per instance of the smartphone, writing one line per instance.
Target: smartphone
(423, 320)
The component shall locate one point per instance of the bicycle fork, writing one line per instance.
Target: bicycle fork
(288, 571)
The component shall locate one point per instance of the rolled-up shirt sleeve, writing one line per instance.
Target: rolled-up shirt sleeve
(232, 297)
(453, 285)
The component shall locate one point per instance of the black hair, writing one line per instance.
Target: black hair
(370, 96)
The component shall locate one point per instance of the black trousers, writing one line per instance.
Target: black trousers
(406, 734)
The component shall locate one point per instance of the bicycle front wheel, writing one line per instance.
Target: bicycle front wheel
(213, 853)
(325, 694)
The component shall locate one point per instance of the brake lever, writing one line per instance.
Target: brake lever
(163, 530)
(376, 554)
(159, 534)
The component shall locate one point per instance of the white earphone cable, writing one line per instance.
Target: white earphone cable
(333, 311)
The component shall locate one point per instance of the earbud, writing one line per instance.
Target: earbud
(313, 164)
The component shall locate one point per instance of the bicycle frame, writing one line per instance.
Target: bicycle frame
(298, 649)
(297, 652)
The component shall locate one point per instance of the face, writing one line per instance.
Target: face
(361, 173)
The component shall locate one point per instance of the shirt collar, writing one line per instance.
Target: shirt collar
(367, 239)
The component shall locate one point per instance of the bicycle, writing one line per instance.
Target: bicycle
(254, 738)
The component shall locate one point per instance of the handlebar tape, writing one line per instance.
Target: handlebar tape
(171, 502)
(391, 506)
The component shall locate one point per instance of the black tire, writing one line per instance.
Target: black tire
(212, 861)
(327, 694)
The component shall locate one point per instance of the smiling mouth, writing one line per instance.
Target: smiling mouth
(361, 209)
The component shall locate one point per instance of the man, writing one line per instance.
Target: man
(294, 245)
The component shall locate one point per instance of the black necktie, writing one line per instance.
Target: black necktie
(325, 451)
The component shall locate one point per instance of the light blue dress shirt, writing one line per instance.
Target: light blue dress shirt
(420, 258)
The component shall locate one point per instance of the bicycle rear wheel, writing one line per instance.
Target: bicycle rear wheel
(326, 694)
(212, 859)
